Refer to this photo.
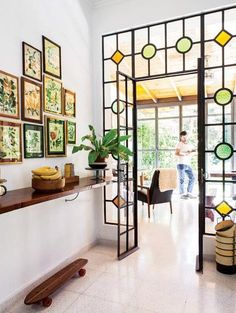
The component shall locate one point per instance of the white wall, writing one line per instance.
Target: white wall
(36, 239)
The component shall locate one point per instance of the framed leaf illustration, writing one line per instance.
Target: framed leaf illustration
(9, 95)
(31, 101)
(33, 141)
(52, 95)
(55, 137)
(71, 132)
(69, 103)
(10, 143)
(51, 58)
(32, 62)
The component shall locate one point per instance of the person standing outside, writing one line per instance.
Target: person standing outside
(183, 152)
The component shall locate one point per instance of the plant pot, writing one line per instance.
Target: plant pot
(100, 163)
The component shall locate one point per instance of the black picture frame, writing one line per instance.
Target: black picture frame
(37, 58)
(34, 129)
(46, 60)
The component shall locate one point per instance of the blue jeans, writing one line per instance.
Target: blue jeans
(185, 169)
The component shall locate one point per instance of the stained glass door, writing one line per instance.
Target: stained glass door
(126, 199)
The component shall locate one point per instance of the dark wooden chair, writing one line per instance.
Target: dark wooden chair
(152, 194)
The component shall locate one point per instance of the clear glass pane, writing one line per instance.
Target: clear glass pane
(168, 111)
(189, 110)
(168, 133)
(110, 93)
(146, 113)
(192, 28)
(230, 52)
(191, 57)
(175, 61)
(174, 32)
(109, 46)
(157, 64)
(146, 160)
(189, 124)
(230, 21)
(146, 134)
(213, 113)
(157, 36)
(213, 25)
(124, 41)
(141, 66)
(126, 66)
(141, 39)
(110, 69)
(166, 159)
(213, 136)
(213, 54)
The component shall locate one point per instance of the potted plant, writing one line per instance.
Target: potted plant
(100, 147)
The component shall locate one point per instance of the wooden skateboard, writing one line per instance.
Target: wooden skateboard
(41, 293)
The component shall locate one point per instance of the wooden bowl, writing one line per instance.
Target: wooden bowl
(48, 185)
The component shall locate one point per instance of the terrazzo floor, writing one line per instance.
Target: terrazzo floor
(160, 277)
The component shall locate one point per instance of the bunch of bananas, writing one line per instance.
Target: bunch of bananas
(47, 173)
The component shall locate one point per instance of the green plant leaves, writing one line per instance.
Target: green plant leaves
(92, 156)
(102, 147)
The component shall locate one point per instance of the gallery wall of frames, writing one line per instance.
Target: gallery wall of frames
(43, 111)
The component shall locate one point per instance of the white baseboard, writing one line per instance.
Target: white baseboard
(24, 290)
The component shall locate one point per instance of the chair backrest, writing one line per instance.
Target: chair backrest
(156, 196)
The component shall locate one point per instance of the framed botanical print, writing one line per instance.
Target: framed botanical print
(55, 137)
(69, 103)
(32, 62)
(10, 143)
(33, 141)
(71, 132)
(52, 95)
(51, 58)
(9, 95)
(31, 101)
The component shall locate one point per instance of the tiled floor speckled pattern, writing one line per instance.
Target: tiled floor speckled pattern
(160, 277)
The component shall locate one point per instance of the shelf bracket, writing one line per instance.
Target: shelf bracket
(66, 200)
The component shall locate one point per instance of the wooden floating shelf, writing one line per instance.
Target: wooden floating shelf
(21, 198)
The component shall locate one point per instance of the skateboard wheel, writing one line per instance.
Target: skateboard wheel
(47, 302)
(82, 272)
(3, 190)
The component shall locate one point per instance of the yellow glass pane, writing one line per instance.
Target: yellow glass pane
(223, 38)
(223, 208)
(116, 201)
(117, 57)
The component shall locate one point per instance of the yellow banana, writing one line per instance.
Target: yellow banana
(36, 177)
(44, 171)
(52, 177)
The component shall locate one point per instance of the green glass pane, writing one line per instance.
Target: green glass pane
(223, 96)
(115, 109)
(224, 151)
(184, 44)
(149, 51)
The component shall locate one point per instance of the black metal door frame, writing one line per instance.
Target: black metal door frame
(202, 67)
(128, 181)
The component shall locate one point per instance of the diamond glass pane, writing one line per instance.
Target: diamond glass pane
(117, 57)
(184, 44)
(114, 107)
(149, 51)
(116, 201)
(223, 208)
(223, 96)
(223, 38)
(223, 151)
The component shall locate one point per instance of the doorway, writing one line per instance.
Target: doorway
(173, 48)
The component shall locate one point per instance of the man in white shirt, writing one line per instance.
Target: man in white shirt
(183, 152)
